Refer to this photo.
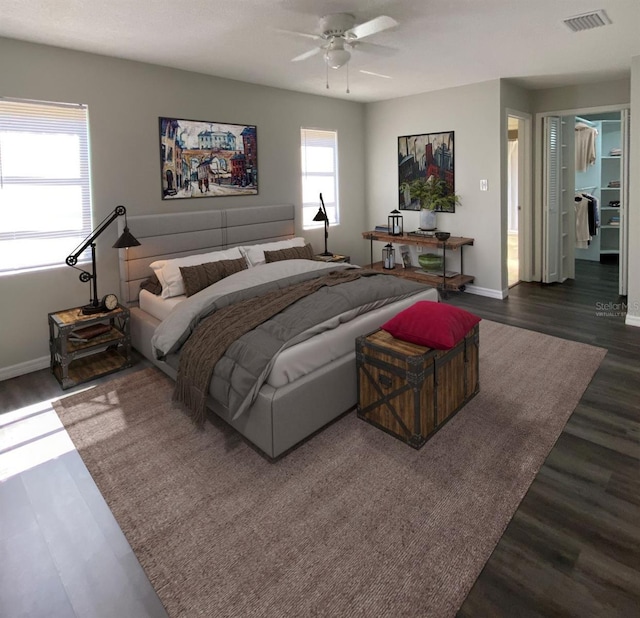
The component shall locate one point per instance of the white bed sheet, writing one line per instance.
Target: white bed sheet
(157, 306)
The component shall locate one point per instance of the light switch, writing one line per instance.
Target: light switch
(484, 185)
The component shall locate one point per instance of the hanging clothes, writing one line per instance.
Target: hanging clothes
(583, 238)
(587, 219)
(585, 142)
(593, 213)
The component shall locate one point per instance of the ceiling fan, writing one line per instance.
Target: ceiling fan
(339, 34)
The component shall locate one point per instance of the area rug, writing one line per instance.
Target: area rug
(352, 522)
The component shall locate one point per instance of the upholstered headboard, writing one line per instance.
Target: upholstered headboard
(174, 235)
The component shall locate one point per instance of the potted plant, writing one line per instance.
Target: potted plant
(432, 194)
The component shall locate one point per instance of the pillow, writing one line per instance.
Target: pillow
(152, 284)
(168, 271)
(431, 324)
(292, 253)
(255, 253)
(201, 276)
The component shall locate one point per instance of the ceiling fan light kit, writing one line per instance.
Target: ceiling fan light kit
(337, 58)
(336, 55)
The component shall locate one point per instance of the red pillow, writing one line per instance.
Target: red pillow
(431, 324)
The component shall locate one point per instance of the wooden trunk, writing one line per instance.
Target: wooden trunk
(410, 391)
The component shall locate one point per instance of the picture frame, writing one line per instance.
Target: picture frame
(207, 159)
(405, 255)
(422, 156)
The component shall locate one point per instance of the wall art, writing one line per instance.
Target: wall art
(207, 159)
(421, 157)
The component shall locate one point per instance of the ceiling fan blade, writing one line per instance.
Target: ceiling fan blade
(374, 74)
(378, 50)
(311, 52)
(373, 26)
(306, 35)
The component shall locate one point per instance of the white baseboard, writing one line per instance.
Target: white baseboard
(632, 320)
(21, 368)
(474, 289)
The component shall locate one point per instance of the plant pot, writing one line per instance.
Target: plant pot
(430, 262)
(427, 219)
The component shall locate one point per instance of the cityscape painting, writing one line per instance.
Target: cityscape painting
(207, 159)
(421, 157)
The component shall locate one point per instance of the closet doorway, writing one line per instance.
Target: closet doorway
(585, 193)
(598, 156)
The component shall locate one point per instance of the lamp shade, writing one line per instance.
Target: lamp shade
(320, 215)
(337, 58)
(127, 239)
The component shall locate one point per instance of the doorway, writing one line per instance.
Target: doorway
(597, 187)
(513, 205)
(518, 220)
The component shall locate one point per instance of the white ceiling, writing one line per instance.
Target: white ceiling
(439, 43)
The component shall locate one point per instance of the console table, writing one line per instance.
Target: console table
(442, 282)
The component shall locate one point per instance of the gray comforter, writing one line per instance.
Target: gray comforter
(246, 363)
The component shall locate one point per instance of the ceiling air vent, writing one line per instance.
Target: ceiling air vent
(587, 21)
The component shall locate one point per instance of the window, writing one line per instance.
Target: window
(319, 175)
(45, 203)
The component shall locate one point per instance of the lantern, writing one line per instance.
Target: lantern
(388, 257)
(395, 223)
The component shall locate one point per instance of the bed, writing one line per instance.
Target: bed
(310, 383)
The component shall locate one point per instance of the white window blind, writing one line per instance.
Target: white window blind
(45, 197)
(319, 175)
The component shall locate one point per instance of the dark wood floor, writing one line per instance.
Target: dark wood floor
(62, 553)
(572, 548)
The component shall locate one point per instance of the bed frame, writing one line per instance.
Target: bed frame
(279, 418)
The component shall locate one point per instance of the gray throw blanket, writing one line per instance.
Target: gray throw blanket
(216, 333)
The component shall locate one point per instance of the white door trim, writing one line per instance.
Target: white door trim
(525, 193)
(623, 271)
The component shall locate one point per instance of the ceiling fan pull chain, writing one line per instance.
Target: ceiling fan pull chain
(348, 91)
(327, 67)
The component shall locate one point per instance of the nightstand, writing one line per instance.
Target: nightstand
(78, 354)
(333, 258)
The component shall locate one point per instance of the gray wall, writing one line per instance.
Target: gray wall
(125, 100)
(473, 113)
(516, 97)
(576, 97)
